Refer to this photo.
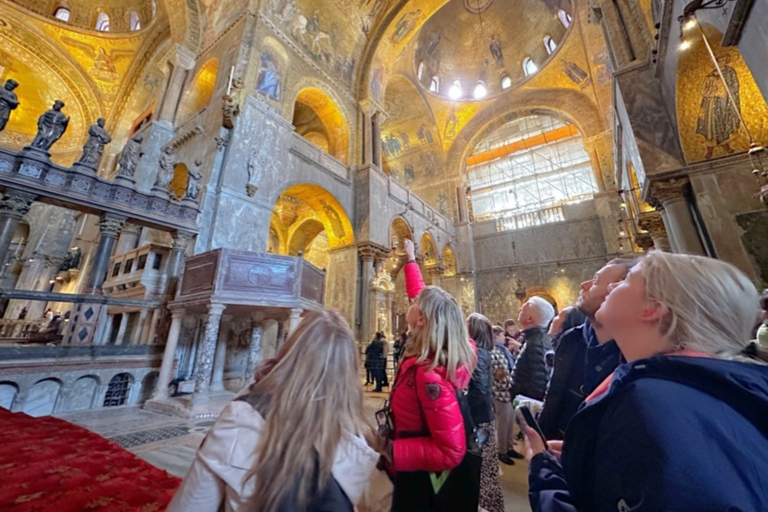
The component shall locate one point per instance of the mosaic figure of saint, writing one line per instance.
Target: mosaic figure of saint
(442, 197)
(269, 82)
(496, 52)
(718, 116)
(405, 26)
(450, 125)
(334, 219)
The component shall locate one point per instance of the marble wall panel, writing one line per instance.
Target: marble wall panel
(80, 395)
(7, 395)
(340, 288)
(42, 398)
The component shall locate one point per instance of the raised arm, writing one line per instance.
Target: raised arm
(413, 281)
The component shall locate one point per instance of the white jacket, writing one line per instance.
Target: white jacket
(217, 475)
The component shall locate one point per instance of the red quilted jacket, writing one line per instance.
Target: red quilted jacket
(429, 429)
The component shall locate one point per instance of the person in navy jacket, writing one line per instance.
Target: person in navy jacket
(683, 425)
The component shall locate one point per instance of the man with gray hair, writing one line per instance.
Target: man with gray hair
(530, 377)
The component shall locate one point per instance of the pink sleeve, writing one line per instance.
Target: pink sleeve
(413, 281)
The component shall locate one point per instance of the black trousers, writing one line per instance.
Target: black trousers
(460, 492)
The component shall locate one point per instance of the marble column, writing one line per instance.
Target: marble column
(169, 355)
(181, 240)
(653, 223)
(207, 350)
(254, 351)
(219, 362)
(294, 320)
(139, 327)
(367, 256)
(184, 61)
(13, 206)
(281, 331)
(128, 239)
(378, 122)
(109, 227)
(365, 109)
(121, 330)
(107, 329)
(677, 217)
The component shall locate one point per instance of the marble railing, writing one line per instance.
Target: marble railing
(84, 191)
(305, 149)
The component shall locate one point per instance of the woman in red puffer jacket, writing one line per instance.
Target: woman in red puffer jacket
(429, 439)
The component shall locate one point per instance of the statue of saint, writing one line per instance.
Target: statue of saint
(193, 181)
(130, 156)
(94, 146)
(165, 172)
(71, 261)
(50, 127)
(8, 101)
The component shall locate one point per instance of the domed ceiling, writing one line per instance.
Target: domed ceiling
(105, 15)
(486, 41)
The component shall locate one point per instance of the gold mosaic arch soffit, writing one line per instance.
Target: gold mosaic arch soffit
(568, 104)
(45, 73)
(328, 210)
(185, 20)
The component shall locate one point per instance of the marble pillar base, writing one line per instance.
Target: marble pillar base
(196, 406)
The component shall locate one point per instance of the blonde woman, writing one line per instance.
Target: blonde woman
(296, 440)
(681, 426)
(429, 444)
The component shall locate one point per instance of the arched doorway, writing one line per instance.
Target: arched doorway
(307, 218)
(317, 118)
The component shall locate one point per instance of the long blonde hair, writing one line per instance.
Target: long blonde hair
(310, 397)
(712, 304)
(443, 339)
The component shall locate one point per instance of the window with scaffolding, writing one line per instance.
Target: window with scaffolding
(564, 18)
(550, 45)
(102, 22)
(522, 174)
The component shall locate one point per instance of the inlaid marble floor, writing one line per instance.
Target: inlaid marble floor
(170, 443)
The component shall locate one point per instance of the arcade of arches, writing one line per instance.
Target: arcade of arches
(286, 149)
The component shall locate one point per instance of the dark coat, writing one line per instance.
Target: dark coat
(480, 395)
(530, 376)
(671, 433)
(374, 355)
(581, 363)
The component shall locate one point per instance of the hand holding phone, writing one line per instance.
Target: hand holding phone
(525, 418)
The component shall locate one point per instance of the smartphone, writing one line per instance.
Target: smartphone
(525, 417)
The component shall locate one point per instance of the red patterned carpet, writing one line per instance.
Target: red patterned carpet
(48, 464)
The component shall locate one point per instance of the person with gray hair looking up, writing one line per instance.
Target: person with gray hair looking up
(530, 376)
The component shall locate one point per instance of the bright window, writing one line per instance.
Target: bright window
(530, 168)
(135, 21)
(420, 73)
(564, 18)
(506, 82)
(529, 67)
(550, 45)
(61, 13)
(434, 85)
(102, 22)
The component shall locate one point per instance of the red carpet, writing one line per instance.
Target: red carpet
(48, 464)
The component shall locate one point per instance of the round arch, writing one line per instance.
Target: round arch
(316, 113)
(428, 249)
(567, 104)
(399, 230)
(301, 202)
(449, 261)
(199, 93)
(303, 235)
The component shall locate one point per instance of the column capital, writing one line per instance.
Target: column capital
(257, 318)
(183, 57)
(15, 203)
(216, 309)
(181, 240)
(644, 241)
(653, 224)
(110, 225)
(664, 191)
(178, 313)
(371, 251)
(131, 229)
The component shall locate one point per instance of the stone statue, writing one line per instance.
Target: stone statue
(165, 172)
(129, 158)
(94, 146)
(193, 181)
(50, 127)
(71, 261)
(8, 101)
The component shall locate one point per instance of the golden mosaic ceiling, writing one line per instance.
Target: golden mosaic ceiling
(485, 40)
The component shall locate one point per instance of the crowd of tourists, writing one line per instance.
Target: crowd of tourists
(649, 391)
